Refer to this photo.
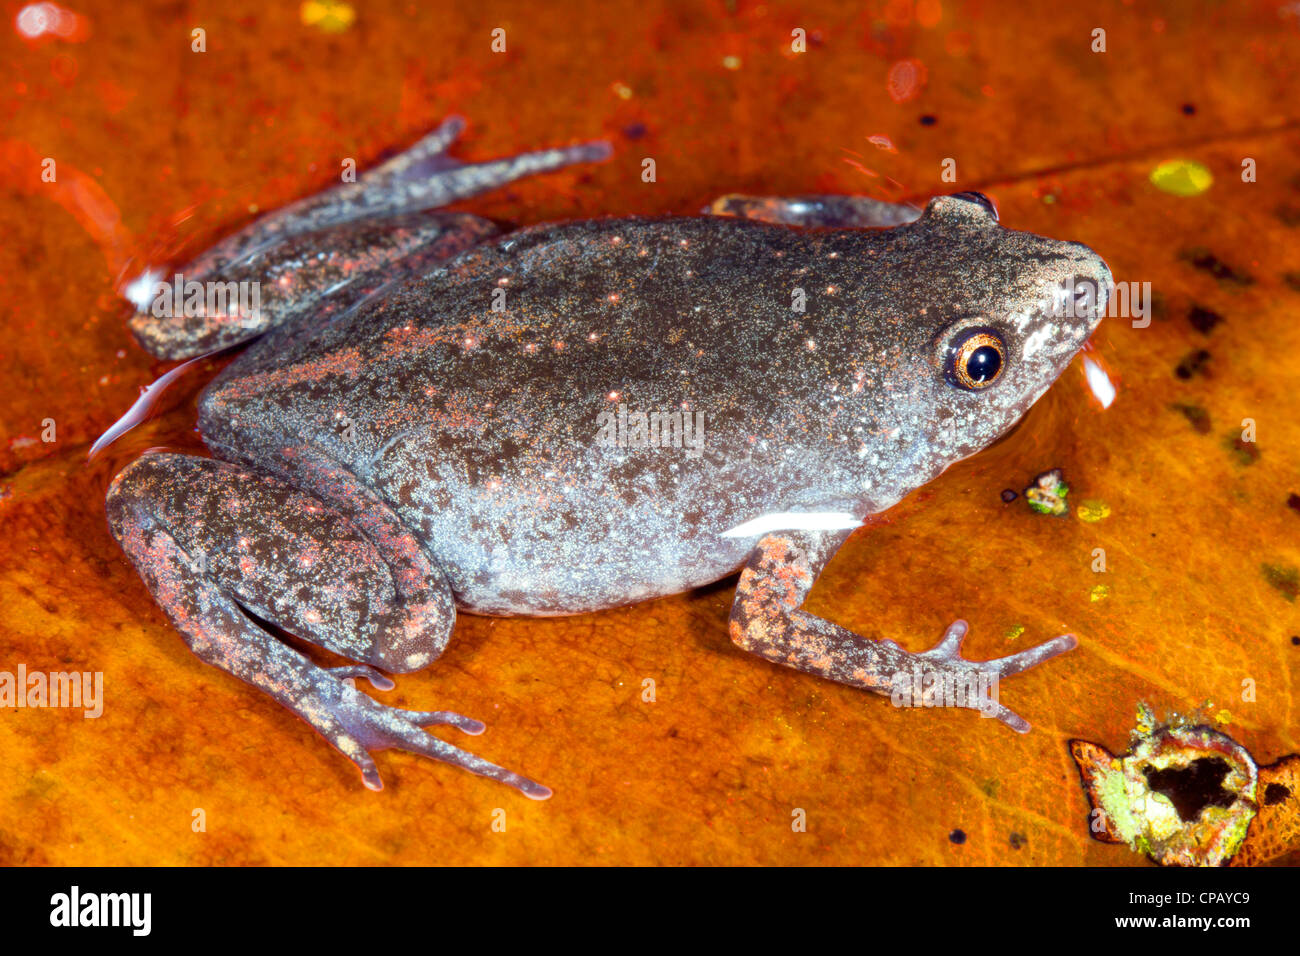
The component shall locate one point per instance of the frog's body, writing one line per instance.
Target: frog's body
(468, 435)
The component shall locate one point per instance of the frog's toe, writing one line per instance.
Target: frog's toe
(431, 181)
(352, 671)
(1015, 663)
(947, 654)
(432, 144)
(435, 718)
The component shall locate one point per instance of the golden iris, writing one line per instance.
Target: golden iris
(977, 360)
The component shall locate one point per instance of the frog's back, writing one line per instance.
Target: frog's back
(494, 402)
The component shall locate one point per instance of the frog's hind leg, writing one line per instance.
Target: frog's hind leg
(767, 619)
(424, 176)
(825, 210)
(221, 547)
(323, 254)
(311, 278)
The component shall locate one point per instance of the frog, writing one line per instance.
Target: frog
(434, 414)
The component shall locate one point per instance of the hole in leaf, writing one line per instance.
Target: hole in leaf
(1193, 788)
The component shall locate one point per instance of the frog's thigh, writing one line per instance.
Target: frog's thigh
(211, 540)
(832, 211)
(767, 619)
(285, 555)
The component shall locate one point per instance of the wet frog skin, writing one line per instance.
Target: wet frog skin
(421, 424)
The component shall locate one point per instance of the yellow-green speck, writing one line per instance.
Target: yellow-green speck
(1093, 509)
(1182, 177)
(1099, 593)
(328, 16)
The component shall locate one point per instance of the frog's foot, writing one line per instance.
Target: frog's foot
(364, 725)
(829, 211)
(767, 619)
(426, 176)
(223, 549)
(945, 660)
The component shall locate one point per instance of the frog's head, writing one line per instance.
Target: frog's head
(998, 317)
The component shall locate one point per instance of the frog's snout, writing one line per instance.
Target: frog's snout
(1078, 293)
(1091, 285)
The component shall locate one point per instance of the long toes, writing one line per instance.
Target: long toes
(433, 718)
(1014, 664)
(435, 143)
(540, 161)
(377, 727)
(416, 741)
(1010, 718)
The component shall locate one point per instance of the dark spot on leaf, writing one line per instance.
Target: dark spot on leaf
(1295, 639)
(1189, 109)
(1203, 319)
(1018, 840)
(1204, 259)
(1284, 578)
(1192, 363)
(1247, 452)
(1288, 215)
(929, 120)
(1275, 793)
(1008, 495)
(1198, 417)
(1293, 501)
(634, 130)
(1292, 279)
(957, 836)
(1194, 787)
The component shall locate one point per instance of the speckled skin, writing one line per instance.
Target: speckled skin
(436, 446)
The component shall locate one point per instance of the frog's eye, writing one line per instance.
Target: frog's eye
(976, 359)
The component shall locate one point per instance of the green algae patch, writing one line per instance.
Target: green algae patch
(1047, 494)
(1184, 794)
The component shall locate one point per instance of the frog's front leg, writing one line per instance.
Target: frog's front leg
(767, 619)
(220, 547)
